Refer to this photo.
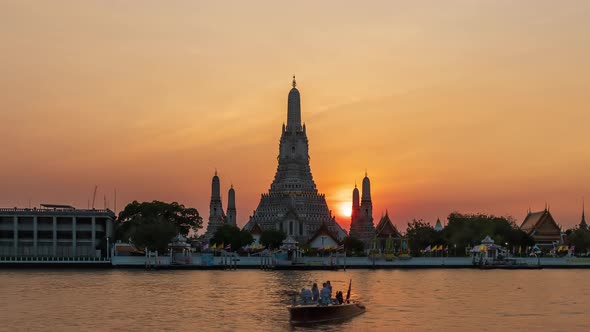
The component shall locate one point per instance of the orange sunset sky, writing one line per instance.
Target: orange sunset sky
(475, 106)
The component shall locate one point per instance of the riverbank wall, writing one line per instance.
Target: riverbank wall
(207, 262)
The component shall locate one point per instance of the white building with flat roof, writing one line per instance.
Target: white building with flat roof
(55, 231)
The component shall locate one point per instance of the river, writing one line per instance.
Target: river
(252, 300)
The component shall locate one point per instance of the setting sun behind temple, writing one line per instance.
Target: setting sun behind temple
(345, 209)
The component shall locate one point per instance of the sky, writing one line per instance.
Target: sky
(471, 106)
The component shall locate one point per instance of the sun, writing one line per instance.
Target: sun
(345, 209)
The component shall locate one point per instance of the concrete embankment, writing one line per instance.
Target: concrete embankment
(198, 262)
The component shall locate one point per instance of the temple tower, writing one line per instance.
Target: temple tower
(293, 204)
(356, 205)
(366, 203)
(361, 223)
(294, 109)
(216, 215)
(231, 206)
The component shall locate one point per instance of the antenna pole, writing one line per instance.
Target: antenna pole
(94, 196)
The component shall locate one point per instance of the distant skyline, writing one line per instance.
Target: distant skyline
(454, 105)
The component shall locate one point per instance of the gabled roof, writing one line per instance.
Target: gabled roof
(386, 228)
(256, 229)
(535, 219)
(324, 231)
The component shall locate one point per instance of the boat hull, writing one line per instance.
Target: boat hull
(311, 314)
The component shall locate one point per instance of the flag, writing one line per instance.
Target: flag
(228, 247)
(573, 248)
(440, 248)
(214, 246)
(205, 247)
(519, 250)
(427, 249)
(220, 246)
(447, 248)
(349, 289)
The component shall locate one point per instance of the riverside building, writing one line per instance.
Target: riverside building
(55, 231)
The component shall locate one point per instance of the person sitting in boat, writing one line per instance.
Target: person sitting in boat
(305, 295)
(315, 292)
(339, 297)
(329, 287)
(325, 295)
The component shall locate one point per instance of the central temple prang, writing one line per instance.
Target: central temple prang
(293, 204)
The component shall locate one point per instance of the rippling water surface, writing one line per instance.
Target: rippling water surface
(251, 300)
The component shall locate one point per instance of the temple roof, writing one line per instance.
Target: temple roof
(534, 219)
(324, 231)
(386, 228)
(256, 229)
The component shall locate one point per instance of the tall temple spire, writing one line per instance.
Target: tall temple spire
(216, 215)
(294, 109)
(355, 201)
(231, 206)
(366, 188)
(215, 191)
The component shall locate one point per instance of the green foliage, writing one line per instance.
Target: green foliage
(154, 235)
(154, 224)
(580, 238)
(183, 218)
(354, 246)
(469, 229)
(420, 235)
(230, 234)
(272, 238)
(464, 230)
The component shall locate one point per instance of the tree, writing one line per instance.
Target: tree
(465, 230)
(421, 235)
(352, 245)
(154, 235)
(184, 219)
(580, 238)
(230, 234)
(272, 238)
(154, 224)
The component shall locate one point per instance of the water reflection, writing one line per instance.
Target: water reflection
(255, 300)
